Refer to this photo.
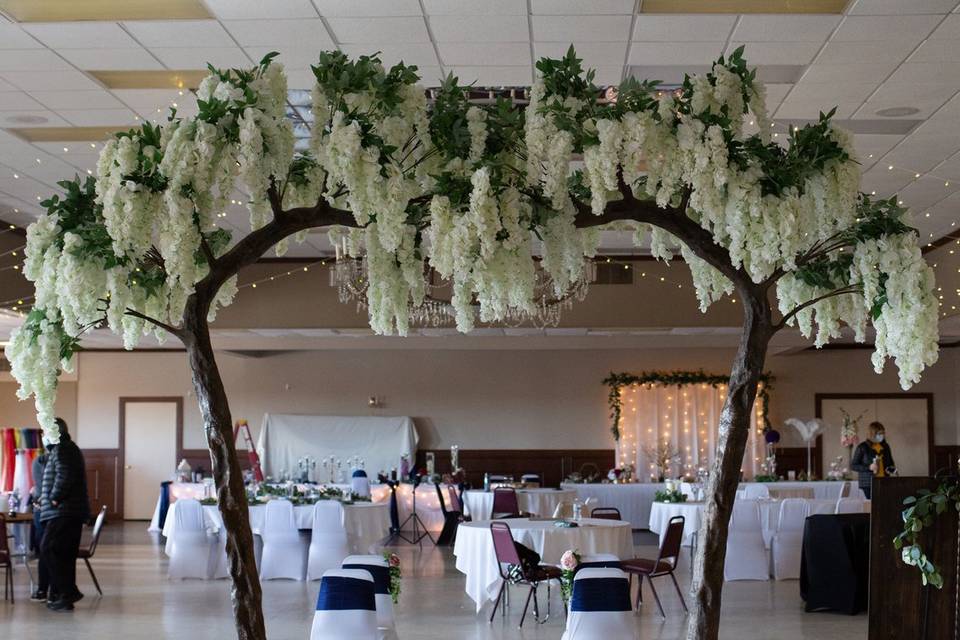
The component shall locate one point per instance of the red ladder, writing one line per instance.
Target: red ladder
(251, 449)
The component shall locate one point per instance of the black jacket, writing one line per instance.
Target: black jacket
(64, 482)
(863, 457)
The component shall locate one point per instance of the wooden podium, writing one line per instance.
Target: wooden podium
(901, 607)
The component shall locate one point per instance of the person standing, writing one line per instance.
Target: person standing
(64, 508)
(873, 458)
(43, 576)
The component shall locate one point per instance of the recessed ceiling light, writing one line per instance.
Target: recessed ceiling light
(27, 119)
(897, 112)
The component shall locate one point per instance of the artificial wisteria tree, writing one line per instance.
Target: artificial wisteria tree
(474, 190)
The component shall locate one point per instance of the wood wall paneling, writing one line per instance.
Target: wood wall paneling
(553, 465)
(795, 459)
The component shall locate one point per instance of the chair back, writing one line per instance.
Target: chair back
(599, 561)
(505, 502)
(189, 514)
(756, 492)
(686, 488)
(360, 483)
(4, 545)
(97, 528)
(498, 477)
(504, 547)
(746, 516)
(443, 503)
(606, 513)
(455, 504)
(531, 479)
(793, 513)
(346, 606)
(328, 517)
(600, 589)
(831, 491)
(672, 541)
(849, 505)
(278, 518)
(379, 570)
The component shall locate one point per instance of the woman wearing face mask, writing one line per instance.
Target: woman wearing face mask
(873, 458)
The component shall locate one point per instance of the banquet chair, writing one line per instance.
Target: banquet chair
(831, 491)
(86, 553)
(346, 606)
(747, 557)
(189, 542)
(360, 483)
(606, 513)
(328, 539)
(599, 561)
(452, 515)
(849, 505)
(283, 552)
(6, 561)
(600, 606)
(379, 569)
(505, 503)
(532, 480)
(787, 543)
(665, 564)
(506, 553)
(755, 492)
(220, 565)
(686, 488)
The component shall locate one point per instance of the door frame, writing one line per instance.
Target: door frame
(931, 445)
(122, 435)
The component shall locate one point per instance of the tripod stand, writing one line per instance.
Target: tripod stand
(419, 529)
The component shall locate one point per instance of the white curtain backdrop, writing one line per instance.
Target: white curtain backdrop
(685, 419)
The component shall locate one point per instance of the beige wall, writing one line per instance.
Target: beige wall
(14, 413)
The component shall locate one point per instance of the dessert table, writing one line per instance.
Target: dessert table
(366, 523)
(540, 502)
(633, 499)
(475, 556)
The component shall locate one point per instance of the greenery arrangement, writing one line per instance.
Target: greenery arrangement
(617, 381)
(919, 514)
(674, 496)
(765, 478)
(393, 561)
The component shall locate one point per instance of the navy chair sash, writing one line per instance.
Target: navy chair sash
(600, 564)
(164, 502)
(338, 593)
(600, 594)
(381, 575)
(359, 473)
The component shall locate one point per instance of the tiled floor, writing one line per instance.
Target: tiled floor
(140, 603)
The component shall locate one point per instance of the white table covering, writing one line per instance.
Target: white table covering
(475, 555)
(366, 523)
(632, 499)
(540, 502)
(817, 489)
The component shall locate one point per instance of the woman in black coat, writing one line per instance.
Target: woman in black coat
(873, 458)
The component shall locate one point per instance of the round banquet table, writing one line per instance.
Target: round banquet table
(539, 502)
(366, 523)
(633, 499)
(475, 556)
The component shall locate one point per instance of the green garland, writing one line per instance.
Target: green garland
(616, 381)
(920, 511)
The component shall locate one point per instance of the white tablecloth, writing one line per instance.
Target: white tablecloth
(817, 490)
(540, 502)
(366, 523)
(632, 499)
(475, 556)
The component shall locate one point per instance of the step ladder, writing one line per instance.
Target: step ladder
(241, 425)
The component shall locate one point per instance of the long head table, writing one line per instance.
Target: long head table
(539, 502)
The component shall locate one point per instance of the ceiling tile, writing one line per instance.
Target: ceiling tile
(98, 117)
(301, 78)
(683, 28)
(421, 54)
(377, 30)
(949, 28)
(593, 54)
(31, 60)
(950, 169)
(260, 10)
(49, 80)
(111, 59)
(281, 33)
(947, 73)
(13, 37)
(431, 76)
(923, 193)
(776, 93)
(921, 151)
(17, 101)
(479, 29)
(927, 97)
(469, 53)
(474, 8)
(868, 144)
(908, 28)
(292, 58)
(827, 93)
(873, 51)
(578, 7)
(608, 75)
(77, 99)
(785, 28)
(675, 53)
(937, 50)
(886, 182)
(25, 188)
(139, 99)
(795, 109)
(366, 8)
(81, 35)
(758, 53)
(848, 72)
(584, 28)
(179, 33)
(901, 7)
(494, 76)
(200, 57)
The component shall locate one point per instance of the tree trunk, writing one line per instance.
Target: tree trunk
(704, 621)
(245, 594)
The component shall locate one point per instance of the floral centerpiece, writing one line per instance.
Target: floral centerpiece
(393, 561)
(673, 495)
(848, 430)
(569, 562)
(837, 469)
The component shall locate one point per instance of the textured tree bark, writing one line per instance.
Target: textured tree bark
(215, 409)
(704, 621)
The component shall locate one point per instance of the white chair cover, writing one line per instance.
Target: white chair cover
(379, 568)
(360, 483)
(284, 554)
(346, 607)
(829, 491)
(600, 611)
(849, 505)
(686, 489)
(328, 540)
(747, 557)
(755, 492)
(221, 564)
(190, 546)
(787, 543)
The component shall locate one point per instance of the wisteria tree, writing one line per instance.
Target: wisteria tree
(473, 191)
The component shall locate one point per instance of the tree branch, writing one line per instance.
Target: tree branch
(163, 325)
(853, 288)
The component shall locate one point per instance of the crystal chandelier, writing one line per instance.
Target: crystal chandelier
(349, 276)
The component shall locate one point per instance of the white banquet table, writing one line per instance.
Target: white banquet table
(476, 559)
(633, 499)
(540, 502)
(366, 523)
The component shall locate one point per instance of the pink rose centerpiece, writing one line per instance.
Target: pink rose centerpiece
(569, 562)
